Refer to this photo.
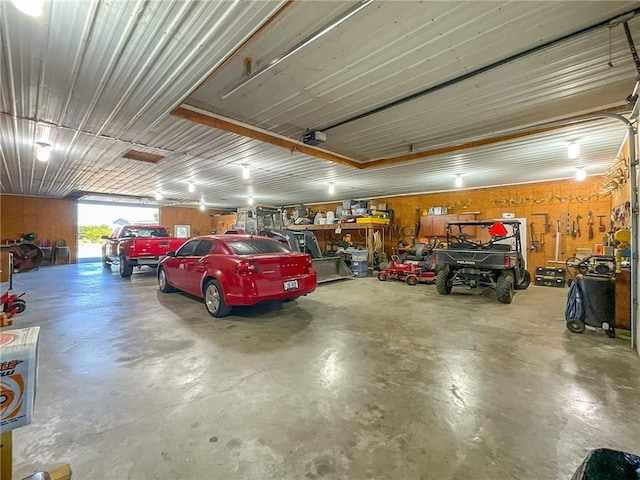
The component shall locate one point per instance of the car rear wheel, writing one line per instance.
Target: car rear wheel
(163, 281)
(526, 281)
(125, 269)
(444, 281)
(214, 300)
(504, 288)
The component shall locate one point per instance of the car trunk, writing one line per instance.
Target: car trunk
(277, 273)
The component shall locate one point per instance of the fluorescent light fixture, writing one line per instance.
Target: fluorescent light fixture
(202, 206)
(581, 174)
(33, 8)
(158, 196)
(192, 187)
(458, 181)
(332, 188)
(246, 172)
(574, 150)
(250, 201)
(43, 151)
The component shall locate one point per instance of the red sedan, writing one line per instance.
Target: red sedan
(230, 270)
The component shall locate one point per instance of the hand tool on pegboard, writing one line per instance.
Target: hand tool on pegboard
(578, 225)
(601, 226)
(557, 241)
(590, 222)
(534, 243)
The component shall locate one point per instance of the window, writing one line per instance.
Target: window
(188, 249)
(254, 245)
(203, 248)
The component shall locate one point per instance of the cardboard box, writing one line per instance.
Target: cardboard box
(18, 376)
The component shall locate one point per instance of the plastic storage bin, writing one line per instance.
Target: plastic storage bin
(359, 255)
(360, 269)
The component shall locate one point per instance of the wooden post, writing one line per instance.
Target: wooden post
(6, 455)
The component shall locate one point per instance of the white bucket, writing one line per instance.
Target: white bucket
(331, 216)
(322, 221)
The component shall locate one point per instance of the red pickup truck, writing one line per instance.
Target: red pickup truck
(137, 245)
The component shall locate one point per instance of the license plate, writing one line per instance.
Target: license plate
(291, 284)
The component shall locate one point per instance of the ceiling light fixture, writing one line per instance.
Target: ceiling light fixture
(202, 206)
(250, 201)
(43, 151)
(581, 174)
(192, 187)
(246, 172)
(458, 182)
(574, 150)
(158, 196)
(332, 188)
(33, 8)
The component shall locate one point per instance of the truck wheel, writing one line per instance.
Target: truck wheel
(526, 281)
(105, 263)
(214, 300)
(444, 281)
(576, 326)
(504, 289)
(125, 269)
(163, 282)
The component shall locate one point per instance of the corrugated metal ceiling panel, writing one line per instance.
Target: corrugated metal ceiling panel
(392, 49)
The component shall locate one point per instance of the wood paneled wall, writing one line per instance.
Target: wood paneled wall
(555, 198)
(51, 218)
(200, 221)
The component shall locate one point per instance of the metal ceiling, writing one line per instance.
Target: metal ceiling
(100, 78)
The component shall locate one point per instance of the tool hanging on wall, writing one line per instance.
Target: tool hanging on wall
(535, 245)
(601, 227)
(557, 241)
(547, 224)
(573, 229)
(590, 222)
(578, 225)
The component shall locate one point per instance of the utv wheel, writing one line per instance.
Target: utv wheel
(163, 281)
(412, 280)
(526, 281)
(383, 276)
(214, 300)
(576, 326)
(444, 281)
(504, 288)
(125, 269)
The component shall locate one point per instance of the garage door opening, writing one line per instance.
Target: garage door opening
(97, 219)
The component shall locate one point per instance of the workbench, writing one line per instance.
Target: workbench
(369, 228)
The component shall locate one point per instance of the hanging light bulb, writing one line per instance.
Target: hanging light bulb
(250, 201)
(332, 188)
(43, 151)
(202, 206)
(192, 187)
(581, 174)
(33, 8)
(458, 182)
(574, 150)
(158, 196)
(246, 172)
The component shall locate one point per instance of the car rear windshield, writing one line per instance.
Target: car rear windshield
(254, 246)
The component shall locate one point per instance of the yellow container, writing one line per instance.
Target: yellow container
(373, 220)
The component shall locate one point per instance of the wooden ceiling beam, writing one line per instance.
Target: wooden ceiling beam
(215, 121)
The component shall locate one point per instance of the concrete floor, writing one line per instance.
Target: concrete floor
(361, 379)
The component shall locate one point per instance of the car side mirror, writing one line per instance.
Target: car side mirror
(172, 253)
(105, 237)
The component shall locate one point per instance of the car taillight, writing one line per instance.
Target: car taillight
(309, 261)
(246, 267)
(507, 261)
